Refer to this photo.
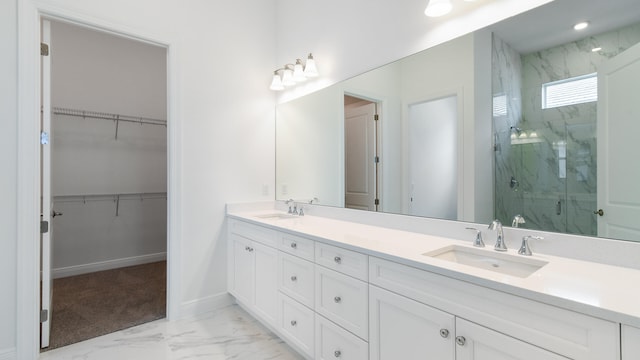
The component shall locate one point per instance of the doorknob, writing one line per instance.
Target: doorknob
(599, 212)
(55, 213)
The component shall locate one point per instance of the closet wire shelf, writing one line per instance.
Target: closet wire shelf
(115, 198)
(116, 118)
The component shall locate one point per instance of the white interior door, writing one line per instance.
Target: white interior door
(433, 158)
(360, 156)
(46, 209)
(618, 146)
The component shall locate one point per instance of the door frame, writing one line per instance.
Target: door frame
(28, 169)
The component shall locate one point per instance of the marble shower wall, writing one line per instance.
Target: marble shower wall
(556, 171)
(507, 114)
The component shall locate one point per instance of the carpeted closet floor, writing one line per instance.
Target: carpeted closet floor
(91, 305)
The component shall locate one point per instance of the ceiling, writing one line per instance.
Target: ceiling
(526, 33)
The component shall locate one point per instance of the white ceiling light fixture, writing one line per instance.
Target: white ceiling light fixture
(437, 8)
(291, 74)
(581, 25)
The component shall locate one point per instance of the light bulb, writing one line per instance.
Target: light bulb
(310, 69)
(581, 25)
(276, 83)
(287, 77)
(298, 73)
(437, 8)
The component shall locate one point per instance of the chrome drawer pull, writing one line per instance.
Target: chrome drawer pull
(460, 340)
(444, 333)
(294, 245)
(294, 278)
(294, 323)
(337, 299)
(337, 259)
(337, 353)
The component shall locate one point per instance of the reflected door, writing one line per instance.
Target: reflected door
(360, 156)
(433, 154)
(618, 146)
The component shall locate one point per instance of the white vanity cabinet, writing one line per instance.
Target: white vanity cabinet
(402, 328)
(630, 343)
(252, 277)
(332, 303)
(509, 327)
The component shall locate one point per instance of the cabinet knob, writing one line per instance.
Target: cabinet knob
(337, 353)
(294, 323)
(250, 249)
(444, 333)
(337, 259)
(294, 245)
(460, 340)
(294, 278)
(337, 299)
(247, 248)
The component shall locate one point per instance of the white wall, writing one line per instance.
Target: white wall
(8, 184)
(100, 72)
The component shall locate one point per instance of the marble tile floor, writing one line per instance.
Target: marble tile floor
(227, 333)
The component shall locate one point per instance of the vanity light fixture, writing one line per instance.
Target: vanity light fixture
(437, 8)
(291, 74)
(581, 25)
(596, 49)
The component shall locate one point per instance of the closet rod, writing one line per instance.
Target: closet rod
(109, 197)
(107, 116)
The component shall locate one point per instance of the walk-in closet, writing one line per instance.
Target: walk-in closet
(108, 182)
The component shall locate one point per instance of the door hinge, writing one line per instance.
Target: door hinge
(376, 159)
(44, 138)
(44, 227)
(44, 49)
(44, 315)
(376, 202)
(376, 117)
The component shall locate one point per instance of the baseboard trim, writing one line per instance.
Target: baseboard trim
(106, 265)
(8, 354)
(206, 304)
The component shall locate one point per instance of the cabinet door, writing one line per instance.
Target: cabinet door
(401, 328)
(475, 342)
(243, 269)
(266, 282)
(630, 343)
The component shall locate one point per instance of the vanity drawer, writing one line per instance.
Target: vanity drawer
(297, 324)
(254, 232)
(296, 245)
(345, 261)
(343, 300)
(295, 278)
(562, 331)
(334, 342)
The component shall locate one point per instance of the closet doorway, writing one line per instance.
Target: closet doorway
(104, 183)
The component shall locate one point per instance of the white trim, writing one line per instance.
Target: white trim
(206, 304)
(8, 354)
(107, 265)
(28, 171)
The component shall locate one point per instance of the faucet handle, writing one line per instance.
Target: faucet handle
(524, 248)
(301, 211)
(478, 240)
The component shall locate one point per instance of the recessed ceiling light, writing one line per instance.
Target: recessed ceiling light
(581, 25)
(596, 49)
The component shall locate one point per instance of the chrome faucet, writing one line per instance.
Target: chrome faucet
(500, 244)
(524, 248)
(478, 240)
(518, 219)
(289, 202)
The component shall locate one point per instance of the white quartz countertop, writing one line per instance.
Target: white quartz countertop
(604, 291)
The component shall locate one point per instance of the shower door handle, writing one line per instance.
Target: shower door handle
(55, 213)
(599, 212)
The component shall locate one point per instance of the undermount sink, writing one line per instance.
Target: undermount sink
(503, 263)
(275, 216)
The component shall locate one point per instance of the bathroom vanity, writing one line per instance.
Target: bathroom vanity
(336, 289)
